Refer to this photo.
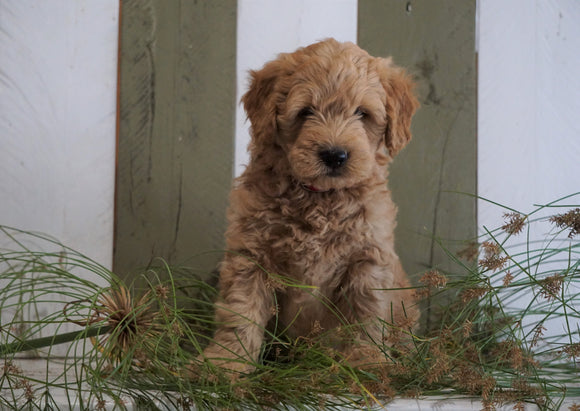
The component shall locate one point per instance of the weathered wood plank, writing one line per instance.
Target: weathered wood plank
(436, 41)
(175, 149)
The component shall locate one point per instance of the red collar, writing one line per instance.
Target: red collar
(313, 189)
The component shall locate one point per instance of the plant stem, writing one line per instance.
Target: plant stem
(34, 344)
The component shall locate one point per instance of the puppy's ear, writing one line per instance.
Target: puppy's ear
(260, 101)
(401, 104)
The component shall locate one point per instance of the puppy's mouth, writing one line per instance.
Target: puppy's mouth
(329, 169)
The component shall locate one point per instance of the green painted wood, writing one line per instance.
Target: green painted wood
(435, 40)
(176, 130)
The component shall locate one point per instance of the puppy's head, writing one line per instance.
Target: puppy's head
(329, 116)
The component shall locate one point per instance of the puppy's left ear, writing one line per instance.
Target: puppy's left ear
(401, 104)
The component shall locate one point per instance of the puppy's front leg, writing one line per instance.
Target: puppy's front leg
(244, 309)
(371, 296)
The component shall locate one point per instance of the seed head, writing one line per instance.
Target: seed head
(433, 279)
(572, 350)
(538, 333)
(492, 256)
(569, 220)
(507, 280)
(514, 223)
(470, 252)
(551, 286)
(473, 293)
(131, 321)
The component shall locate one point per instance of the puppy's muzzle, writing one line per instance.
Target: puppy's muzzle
(334, 158)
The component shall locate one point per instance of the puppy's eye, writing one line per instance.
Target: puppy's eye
(306, 112)
(360, 112)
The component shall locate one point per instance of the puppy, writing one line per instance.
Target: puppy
(311, 220)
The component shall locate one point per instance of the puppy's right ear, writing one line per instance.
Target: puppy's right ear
(260, 101)
(401, 104)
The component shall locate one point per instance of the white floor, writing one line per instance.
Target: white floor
(42, 370)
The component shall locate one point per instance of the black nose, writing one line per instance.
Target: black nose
(333, 158)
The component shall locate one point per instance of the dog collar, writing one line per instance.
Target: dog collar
(313, 189)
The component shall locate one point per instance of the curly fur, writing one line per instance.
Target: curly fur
(292, 217)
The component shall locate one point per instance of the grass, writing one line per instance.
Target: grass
(510, 335)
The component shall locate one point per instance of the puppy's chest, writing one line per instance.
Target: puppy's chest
(314, 246)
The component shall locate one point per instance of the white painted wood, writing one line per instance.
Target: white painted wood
(529, 102)
(528, 108)
(54, 371)
(58, 65)
(58, 81)
(266, 28)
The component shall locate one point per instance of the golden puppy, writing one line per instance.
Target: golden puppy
(311, 219)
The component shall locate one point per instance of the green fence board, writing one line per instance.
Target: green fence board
(176, 131)
(435, 40)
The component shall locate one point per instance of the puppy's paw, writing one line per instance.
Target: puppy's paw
(365, 356)
(231, 364)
